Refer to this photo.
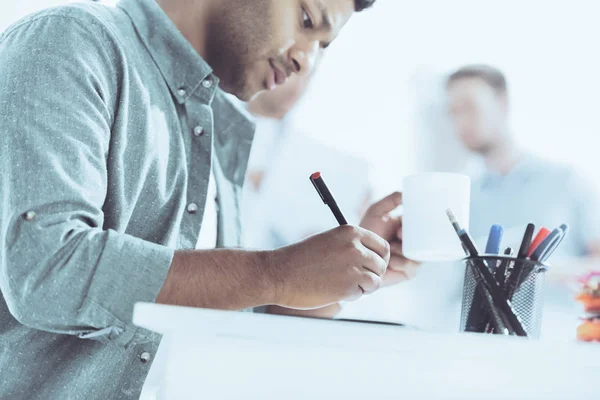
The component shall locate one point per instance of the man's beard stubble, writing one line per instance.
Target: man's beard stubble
(237, 38)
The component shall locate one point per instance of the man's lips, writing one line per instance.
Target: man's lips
(276, 77)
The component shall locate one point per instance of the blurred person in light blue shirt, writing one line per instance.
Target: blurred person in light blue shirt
(514, 188)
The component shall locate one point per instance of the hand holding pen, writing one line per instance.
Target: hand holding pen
(341, 264)
(378, 220)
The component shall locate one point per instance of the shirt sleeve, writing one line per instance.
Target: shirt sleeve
(60, 270)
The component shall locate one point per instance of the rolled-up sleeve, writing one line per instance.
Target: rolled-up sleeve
(60, 270)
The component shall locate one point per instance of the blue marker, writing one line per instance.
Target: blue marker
(494, 240)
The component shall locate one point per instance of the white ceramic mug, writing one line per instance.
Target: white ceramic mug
(427, 234)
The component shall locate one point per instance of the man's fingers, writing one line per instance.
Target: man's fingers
(376, 244)
(385, 205)
(401, 264)
(369, 282)
(372, 262)
(394, 277)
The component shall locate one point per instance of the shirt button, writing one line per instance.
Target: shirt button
(192, 208)
(30, 215)
(182, 92)
(207, 83)
(145, 357)
(198, 131)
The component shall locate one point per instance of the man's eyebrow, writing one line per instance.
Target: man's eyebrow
(325, 18)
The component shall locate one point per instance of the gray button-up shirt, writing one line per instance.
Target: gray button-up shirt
(101, 152)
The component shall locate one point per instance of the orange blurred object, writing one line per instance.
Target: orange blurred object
(589, 296)
(590, 303)
(589, 331)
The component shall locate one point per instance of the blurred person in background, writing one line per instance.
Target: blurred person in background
(515, 187)
(272, 111)
(276, 130)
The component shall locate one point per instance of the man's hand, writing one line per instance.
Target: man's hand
(377, 219)
(341, 264)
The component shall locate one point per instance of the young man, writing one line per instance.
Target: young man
(517, 188)
(114, 168)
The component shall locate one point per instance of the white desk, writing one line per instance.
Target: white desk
(226, 355)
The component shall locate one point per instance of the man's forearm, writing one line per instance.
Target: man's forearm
(220, 279)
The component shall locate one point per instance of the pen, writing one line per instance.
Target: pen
(549, 242)
(541, 241)
(477, 317)
(525, 268)
(327, 197)
(500, 272)
(526, 243)
(492, 247)
(548, 252)
(494, 294)
(540, 250)
(544, 250)
(517, 269)
(494, 239)
(539, 238)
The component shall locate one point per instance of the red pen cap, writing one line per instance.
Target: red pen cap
(539, 238)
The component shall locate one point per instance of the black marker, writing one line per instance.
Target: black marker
(327, 197)
(517, 270)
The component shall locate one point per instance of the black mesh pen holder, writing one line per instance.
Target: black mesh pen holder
(513, 307)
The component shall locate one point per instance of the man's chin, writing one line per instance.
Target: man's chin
(245, 96)
(242, 92)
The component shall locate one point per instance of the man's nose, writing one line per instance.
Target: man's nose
(303, 57)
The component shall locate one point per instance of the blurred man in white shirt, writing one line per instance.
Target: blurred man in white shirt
(272, 111)
(279, 152)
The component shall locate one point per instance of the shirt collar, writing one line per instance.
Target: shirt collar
(179, 63)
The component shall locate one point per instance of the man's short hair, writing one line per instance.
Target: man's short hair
(360, 5)
(490, 75)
